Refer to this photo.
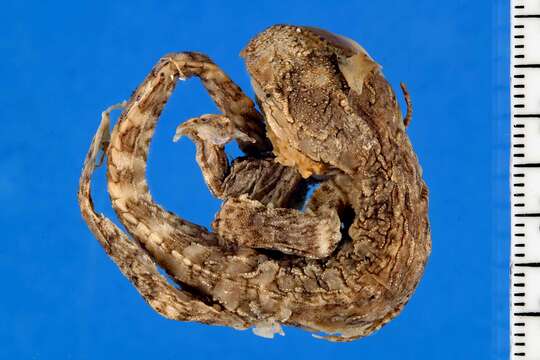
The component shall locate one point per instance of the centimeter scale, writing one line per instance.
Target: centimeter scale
(525, 179)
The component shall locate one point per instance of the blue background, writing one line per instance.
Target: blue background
(63, 62)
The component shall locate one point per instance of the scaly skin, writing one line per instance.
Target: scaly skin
(330, 115)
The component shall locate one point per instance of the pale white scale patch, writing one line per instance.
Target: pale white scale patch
(357, 67)
(267, 329)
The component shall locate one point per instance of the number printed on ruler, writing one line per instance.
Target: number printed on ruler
(525, 179)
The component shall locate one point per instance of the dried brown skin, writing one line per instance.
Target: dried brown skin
(345, 265)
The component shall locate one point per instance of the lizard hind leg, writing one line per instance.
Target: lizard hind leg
(248, 223)
(314, 233)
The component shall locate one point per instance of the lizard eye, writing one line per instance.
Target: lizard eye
(268, 91)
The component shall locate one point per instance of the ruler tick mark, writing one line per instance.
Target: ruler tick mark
(533, 265)
(525, 116)
(527, 66)
(531, 314)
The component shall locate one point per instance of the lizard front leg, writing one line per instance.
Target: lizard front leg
(260, 178)
(313, 233)
(210, 133)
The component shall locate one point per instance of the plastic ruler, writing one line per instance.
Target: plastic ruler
(525, 179)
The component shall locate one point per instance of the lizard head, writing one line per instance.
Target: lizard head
(302, 78)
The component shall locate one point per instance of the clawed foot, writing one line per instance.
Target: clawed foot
(213, 129)
(210, 133)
